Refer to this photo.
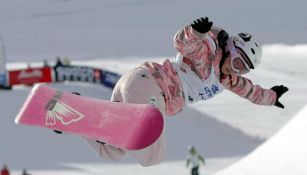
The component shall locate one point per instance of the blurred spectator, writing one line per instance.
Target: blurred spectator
(58, 61)
(24, 172)
(194, 158)
(5, 170)
(29, 66)
(66, 61)
(46, 63)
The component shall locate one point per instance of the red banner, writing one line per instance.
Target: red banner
(30, 76)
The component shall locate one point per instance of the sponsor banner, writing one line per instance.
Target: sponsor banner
(2, 79)
(109, 79)
(77, 73)
(30, 76)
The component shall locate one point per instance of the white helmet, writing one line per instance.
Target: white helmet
(247, 44)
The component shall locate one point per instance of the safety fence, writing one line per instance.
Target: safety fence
(58, 73)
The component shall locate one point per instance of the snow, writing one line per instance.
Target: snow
(119, 35)
(284, 153)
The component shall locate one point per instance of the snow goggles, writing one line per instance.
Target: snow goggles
(238, 60)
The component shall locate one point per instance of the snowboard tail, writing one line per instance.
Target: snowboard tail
(128, 126)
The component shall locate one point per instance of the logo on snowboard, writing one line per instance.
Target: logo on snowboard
(61, 111)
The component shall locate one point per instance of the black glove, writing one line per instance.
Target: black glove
(222, 38)
(202, 25)
(279, 90)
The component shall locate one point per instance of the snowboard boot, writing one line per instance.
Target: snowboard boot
(102, 143)
(76, 93)
(58, 132)
(114, 148)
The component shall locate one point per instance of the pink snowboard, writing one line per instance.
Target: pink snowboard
(128, 126)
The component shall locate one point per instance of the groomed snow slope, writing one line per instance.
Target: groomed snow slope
(285, 153)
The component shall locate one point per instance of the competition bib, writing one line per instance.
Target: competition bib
(194, 88)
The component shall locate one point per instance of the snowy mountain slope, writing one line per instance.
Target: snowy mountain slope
(284, 153)
(44, 29)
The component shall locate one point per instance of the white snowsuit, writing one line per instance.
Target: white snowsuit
(137, 86)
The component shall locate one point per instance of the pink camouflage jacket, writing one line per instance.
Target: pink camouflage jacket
(202, 55)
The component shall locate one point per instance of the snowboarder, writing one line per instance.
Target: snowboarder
(208, 61)
(195, 159)
(5, 170)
